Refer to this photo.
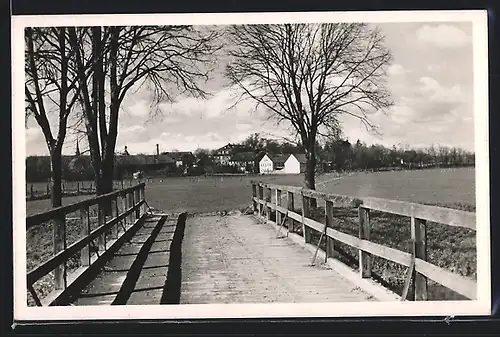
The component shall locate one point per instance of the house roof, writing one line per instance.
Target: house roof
(243, 156)
(278, 158)
(301, 157)
(229, 147)
(177, 155)
(144, 160)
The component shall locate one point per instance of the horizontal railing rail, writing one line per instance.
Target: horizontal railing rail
(420, 269)
(133, 205)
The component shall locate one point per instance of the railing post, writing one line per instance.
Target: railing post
(268, 202)
(419, 240)
(254, 195)
(365, 259)
(124, 208)
(101, 240)
(85, 231)
(278, 203)
(130, 204)
(59, 234)
(305, 213)
(116, 214)
(136, 201)
(290, 207)
(142, 193)
(330, 248)
(261, 198)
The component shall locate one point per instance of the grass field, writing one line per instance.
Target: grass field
(448, 247)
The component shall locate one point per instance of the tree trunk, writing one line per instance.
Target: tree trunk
(310, 178)
(56, 179)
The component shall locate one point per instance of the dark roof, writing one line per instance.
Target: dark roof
(229, 147)
(243, 156)
(177, 155)
(301, 157)
(278, 158)
(144, 160)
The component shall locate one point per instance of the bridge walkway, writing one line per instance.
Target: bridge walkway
(237, 259)
(137, 272)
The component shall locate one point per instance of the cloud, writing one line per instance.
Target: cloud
(243, 127)
(443, 35)
(434, 91)
(396, 69)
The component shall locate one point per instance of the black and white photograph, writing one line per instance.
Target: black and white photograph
(234, 165)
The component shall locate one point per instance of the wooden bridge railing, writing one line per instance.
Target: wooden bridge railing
(419, 269)
(120, 206)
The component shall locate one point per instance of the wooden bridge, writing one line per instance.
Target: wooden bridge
(126, 253)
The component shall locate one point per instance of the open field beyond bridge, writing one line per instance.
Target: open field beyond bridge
(447, 187)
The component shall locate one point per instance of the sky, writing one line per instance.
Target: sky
(431, 80)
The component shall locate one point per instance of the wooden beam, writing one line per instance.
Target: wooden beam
(365, 259)
(39, 218)
(419, 250)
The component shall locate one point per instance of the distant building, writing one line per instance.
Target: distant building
(222, 156)
(134, 163)
(296, 163)
(244, 161)
(272, 163)
(181, 158)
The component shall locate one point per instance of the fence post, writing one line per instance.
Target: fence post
(101, 240)
(31, 191)
(117, 214)
(305, 213)
(290, 207)
(85, 231)
(78, 187)
(143, 197)
(136, 201)
(365, 261)
(268, 203)
(125, 208)
(261, 198)
(419, 240)
(278, 204)
(254, 195)
(59, 234)
(330, 248)
(130, 204)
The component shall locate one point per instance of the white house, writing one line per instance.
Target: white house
(272, 163)
(266, 165)
(296, 163)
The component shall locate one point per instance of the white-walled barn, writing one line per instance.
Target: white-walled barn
(266, 165)
(295, 164)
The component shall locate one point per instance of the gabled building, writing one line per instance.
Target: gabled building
(222, 156)
(272, 163)
(181, 158)
(295, 163)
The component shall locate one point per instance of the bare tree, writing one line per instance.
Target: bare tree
(50, 87)
(309, 74)
(170, 60)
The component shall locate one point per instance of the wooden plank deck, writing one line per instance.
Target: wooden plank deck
(234, 259)
(137, 272)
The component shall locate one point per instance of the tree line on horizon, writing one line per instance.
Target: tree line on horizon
(334, 155)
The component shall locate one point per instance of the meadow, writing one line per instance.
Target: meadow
(448, 247)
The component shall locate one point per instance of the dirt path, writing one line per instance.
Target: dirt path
(233, 259)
